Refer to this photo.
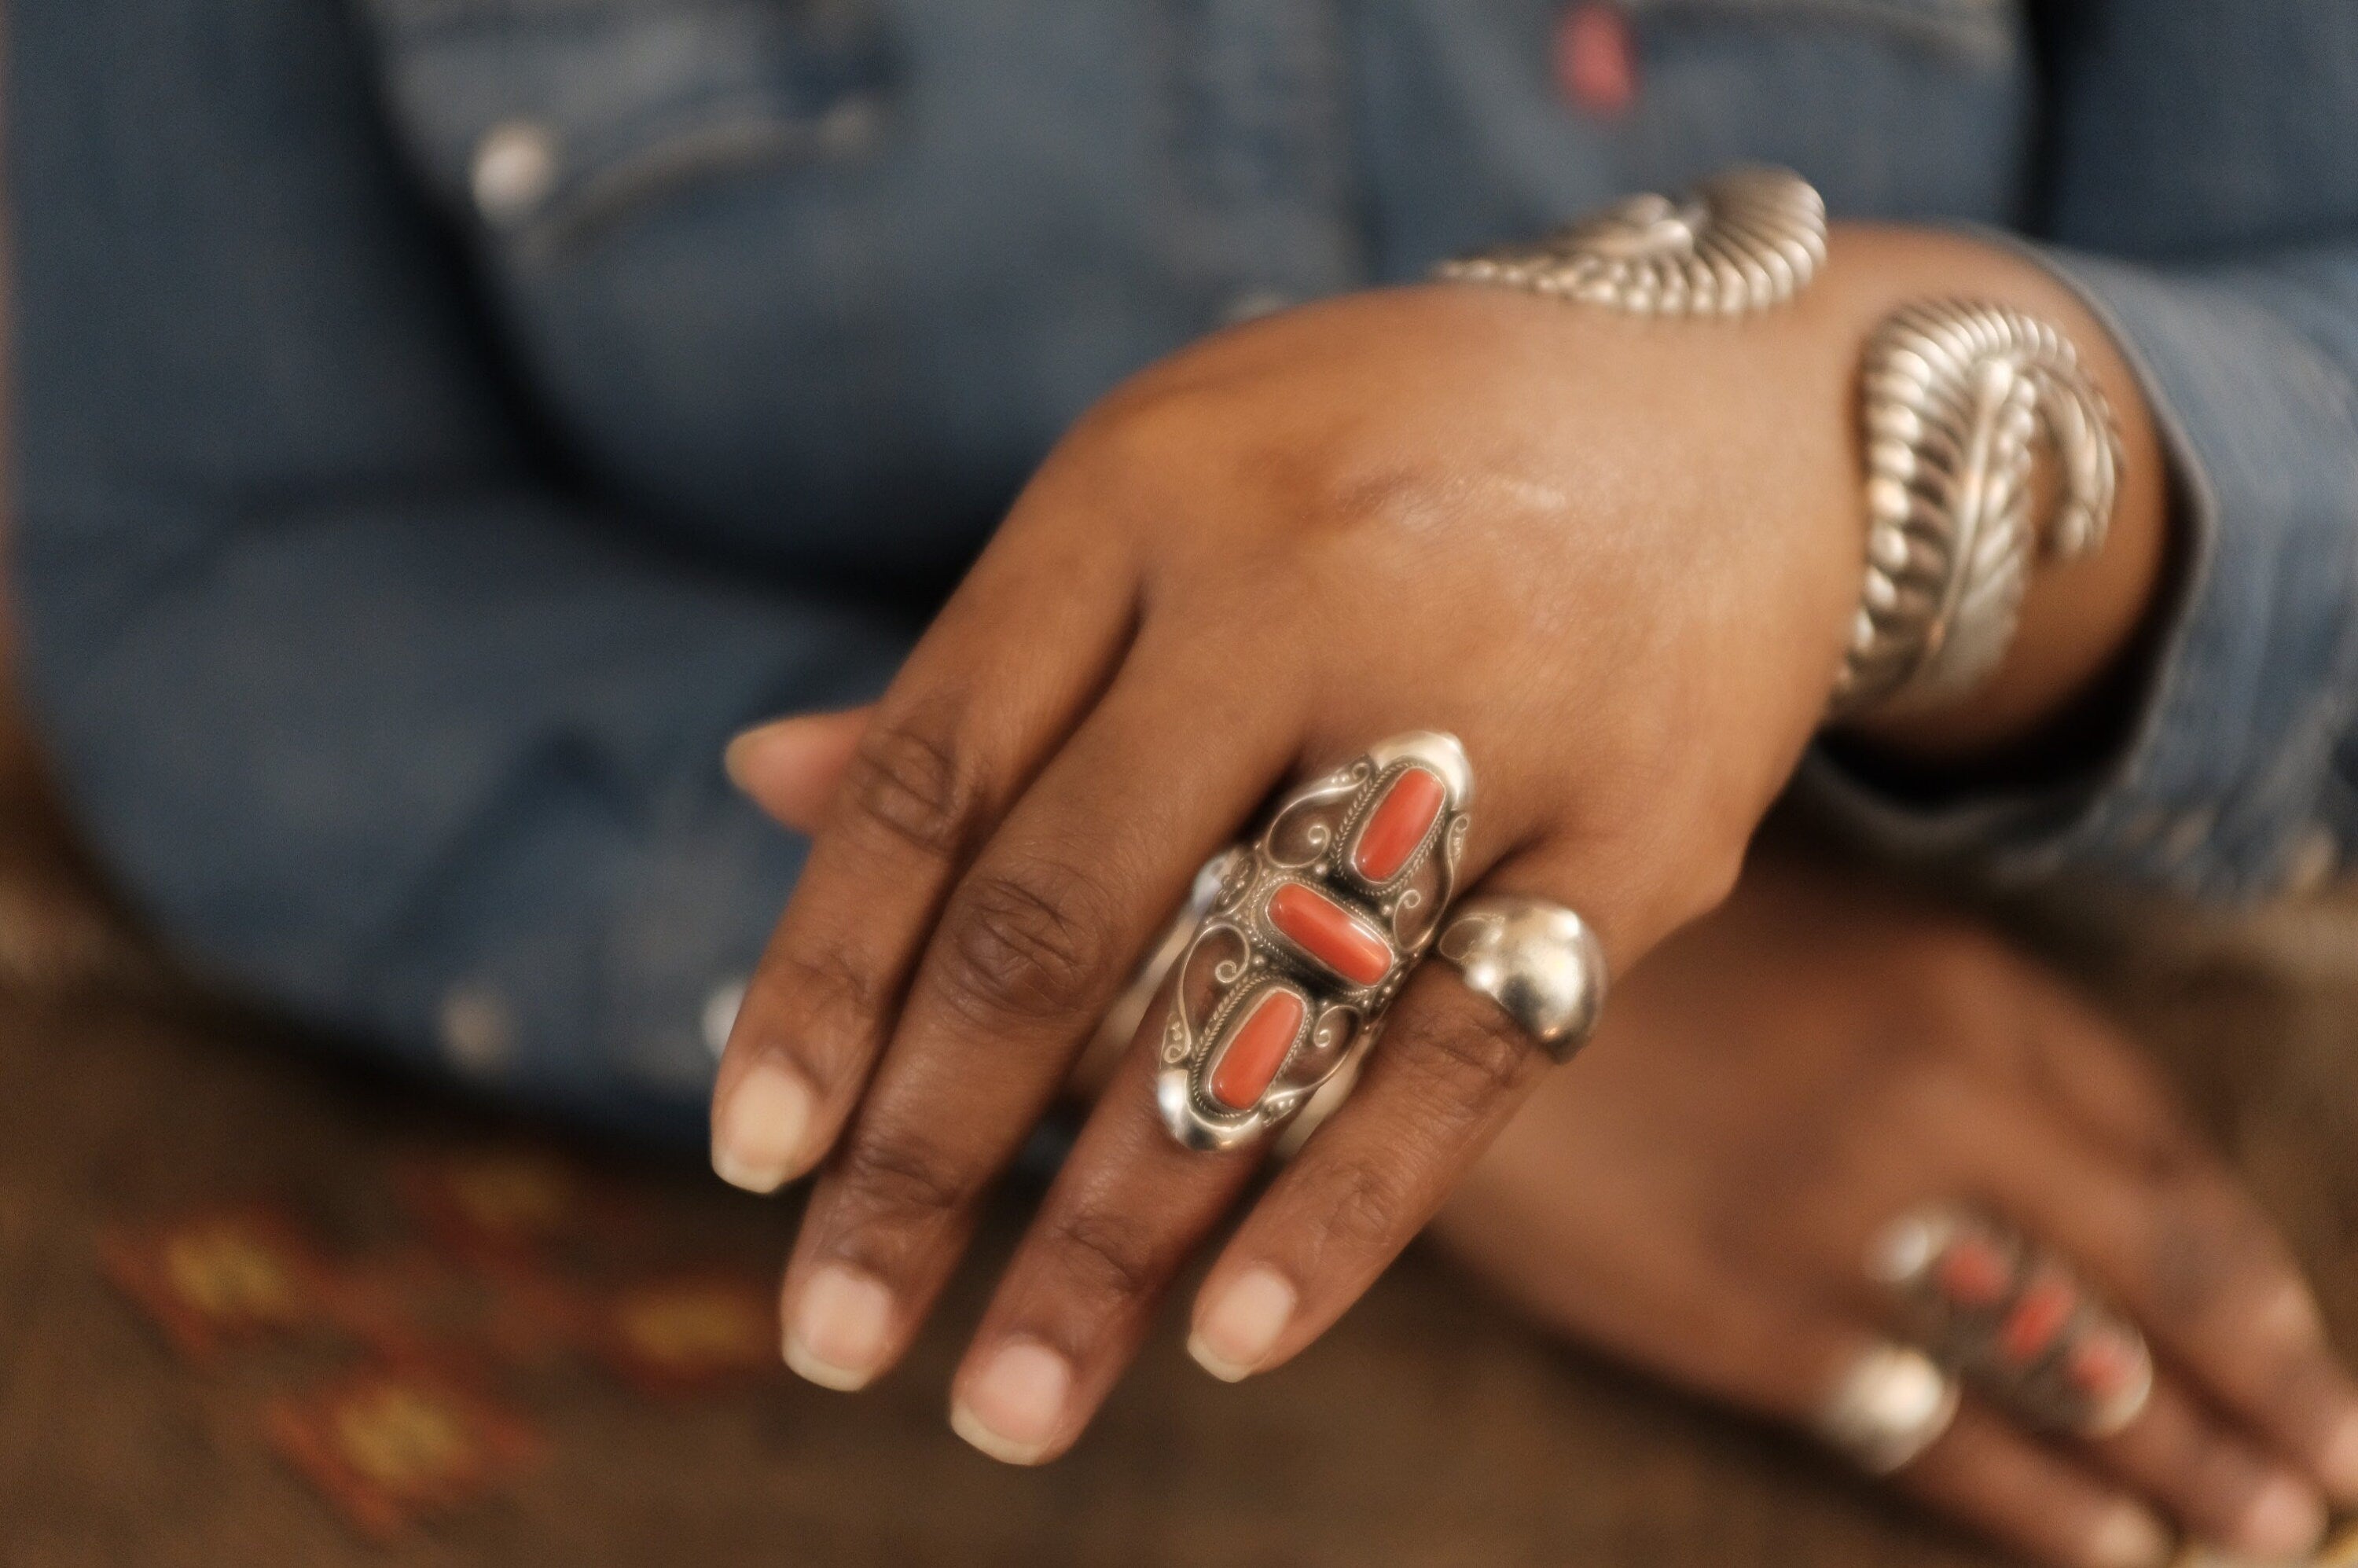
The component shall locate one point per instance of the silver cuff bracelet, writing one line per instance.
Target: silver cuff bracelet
(1953, 397)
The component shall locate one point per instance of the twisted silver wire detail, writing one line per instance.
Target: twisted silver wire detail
(1749, 239)
(1953, 396)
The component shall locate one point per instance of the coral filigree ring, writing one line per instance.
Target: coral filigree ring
(2015, 1320)
(1308, 933)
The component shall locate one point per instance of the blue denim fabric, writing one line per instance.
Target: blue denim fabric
(440, 422)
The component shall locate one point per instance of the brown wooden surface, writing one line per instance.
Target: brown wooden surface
(1428, 1429)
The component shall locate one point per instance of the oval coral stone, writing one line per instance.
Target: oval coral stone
(2102, 1365)
(2039, 1316)
(1330, 933)
(1393, 831)
(1257, 1048)
(1973, 1273)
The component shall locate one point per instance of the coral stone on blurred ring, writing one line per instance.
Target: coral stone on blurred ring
(2039, 1316)
(2102, 1364)
(1257, 1048)
(1972, 1273)
(1330, 935)
(1396, 828)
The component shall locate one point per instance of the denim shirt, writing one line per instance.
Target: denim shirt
(442, 423)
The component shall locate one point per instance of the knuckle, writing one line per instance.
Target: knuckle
(1712, 880)
(1150, 421)
(908, 784)
(2219, 1476)
(1913, 1090)
(1357, 1207)
(905, 1178)
(1901, 1118)
(1478, 1057)
(2212, 1263)
(1954, 966)
(1105, 1256)
(832, 997)
(1967, 984)
(1025, 943)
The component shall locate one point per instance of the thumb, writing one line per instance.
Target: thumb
(789, 767)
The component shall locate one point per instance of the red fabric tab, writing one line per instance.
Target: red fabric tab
(1597, 58)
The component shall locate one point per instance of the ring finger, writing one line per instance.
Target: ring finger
(1132, 1205)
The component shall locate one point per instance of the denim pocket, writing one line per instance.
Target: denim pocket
(547, 121)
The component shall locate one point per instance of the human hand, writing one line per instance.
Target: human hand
(1615, 561)
(1698, 1192)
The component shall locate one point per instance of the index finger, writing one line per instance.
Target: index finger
(962, 728)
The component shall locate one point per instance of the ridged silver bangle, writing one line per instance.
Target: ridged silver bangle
(1954, 396)
(1749, 239)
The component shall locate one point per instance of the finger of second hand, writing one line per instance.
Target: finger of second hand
(2047, 1505)
(2201, 1269)
(1125, 1214)
(2218, 1484)
(1448, 1072)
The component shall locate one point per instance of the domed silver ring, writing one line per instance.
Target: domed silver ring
(1888, 1407)
(1538, 960)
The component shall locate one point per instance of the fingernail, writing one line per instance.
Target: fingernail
(740, 750)
(836, 1335)
(757, 1144)
(1237, 1333)
(1015, 1408)
(2337, 1462)
(2283, 1519)
(2130, 1537)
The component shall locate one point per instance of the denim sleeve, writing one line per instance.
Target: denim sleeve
(372, 716)
(2234, 782)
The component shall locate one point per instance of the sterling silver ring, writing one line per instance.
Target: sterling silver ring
(2013, 1320)
(1313, 930)
(1889, 1406)
(1537, 960)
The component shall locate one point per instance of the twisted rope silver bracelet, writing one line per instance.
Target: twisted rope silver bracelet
(1747, 240)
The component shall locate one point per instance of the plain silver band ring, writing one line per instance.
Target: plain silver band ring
(1889, 1406)
(1537, 960)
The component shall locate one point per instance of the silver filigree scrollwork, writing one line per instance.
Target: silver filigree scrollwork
(1307, 936)
(1749, 239)
(1955, 397)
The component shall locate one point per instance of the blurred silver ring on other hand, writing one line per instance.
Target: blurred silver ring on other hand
(1313, 929)
(1888, 1407)
(1538, 960)
(2015, 1320)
